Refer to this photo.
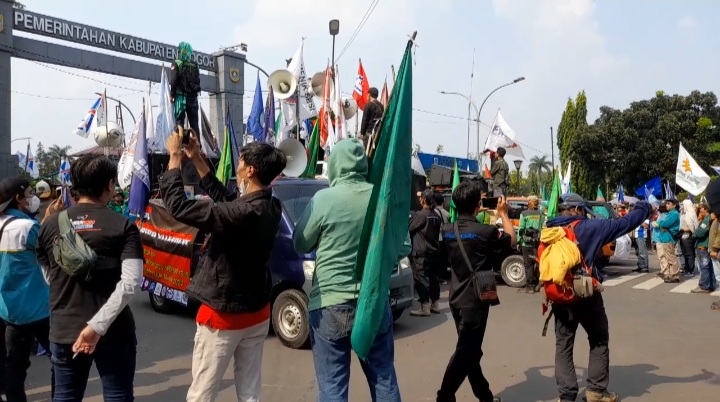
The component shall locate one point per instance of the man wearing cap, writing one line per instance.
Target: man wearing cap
(372, 114)
(42, 190)
(591, 235)
(26, 312)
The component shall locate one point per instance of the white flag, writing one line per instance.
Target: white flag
(166, 120)
(565, 185)
(502, 136)
(689, 175)
(153, 145)
(337, 108)
(125, 165)
(31, 165)
(297, 67)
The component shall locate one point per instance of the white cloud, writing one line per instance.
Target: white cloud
(688, 23)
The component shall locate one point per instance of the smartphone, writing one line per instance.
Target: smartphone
(58, 192)
(186, 135)
(490, 203)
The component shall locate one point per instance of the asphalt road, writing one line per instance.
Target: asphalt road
(665, 347)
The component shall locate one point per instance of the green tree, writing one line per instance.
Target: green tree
(53, 157)
(41, 158)
(572, 124)
(440, 149)
(634, 145)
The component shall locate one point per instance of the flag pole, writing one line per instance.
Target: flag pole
(392, 69)
(107, 134)
(27, 157)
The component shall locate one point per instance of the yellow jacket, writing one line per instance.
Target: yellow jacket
(559, 256)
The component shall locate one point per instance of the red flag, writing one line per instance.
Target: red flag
(487, 172)
(362, 88)
(324, 116)
(384, 94)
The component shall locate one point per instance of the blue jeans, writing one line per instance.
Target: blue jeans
(330, 338)
(115, 362)
(707, 275)
(642, 254)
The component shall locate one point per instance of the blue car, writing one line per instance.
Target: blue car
(292, 273)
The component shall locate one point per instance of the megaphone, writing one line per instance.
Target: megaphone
(283, 83)
(297, 158)
(350, 107)
(317, 85)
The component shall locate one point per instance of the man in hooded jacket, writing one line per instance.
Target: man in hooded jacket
(331, 224)
(589, 312)
(185, 87)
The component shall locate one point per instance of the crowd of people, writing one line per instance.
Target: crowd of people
(79, 311)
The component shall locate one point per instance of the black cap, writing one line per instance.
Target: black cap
(373, 92)
(9, 188)
(712, 194)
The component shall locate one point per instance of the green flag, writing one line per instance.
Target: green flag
(225, 166)
(278, 123)
(554, 197)
(455, 182)
(386, 223)
(600, 195)
(313, 146)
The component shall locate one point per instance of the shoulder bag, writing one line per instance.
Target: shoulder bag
(483, 282)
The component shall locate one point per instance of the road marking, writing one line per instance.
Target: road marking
(686, 286)
(647, 285)
(622, 279)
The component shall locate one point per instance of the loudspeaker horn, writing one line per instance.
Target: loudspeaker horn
(283, 83)
(350, 107)
(297, 158)
(317, 85)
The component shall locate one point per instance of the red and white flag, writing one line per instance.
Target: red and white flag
(362, 88)
(327, 130)
(384, 94)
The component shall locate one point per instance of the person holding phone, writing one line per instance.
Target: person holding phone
(477, 250)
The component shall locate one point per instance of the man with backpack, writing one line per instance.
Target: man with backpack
(577, 299)
(185, 87)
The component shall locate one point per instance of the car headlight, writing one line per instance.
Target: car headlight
(309, 269)
(405, 263)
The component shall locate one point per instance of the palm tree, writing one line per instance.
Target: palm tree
(55, 154)
(540, 163)
(538, 166)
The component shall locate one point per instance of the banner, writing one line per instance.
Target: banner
(168, 247)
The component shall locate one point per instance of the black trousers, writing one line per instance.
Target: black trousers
(3, 355)
(19, 343)
(192, 111)
(590, 313)
(531, 266)
(427, 284)
(465, 362)
(687, 247)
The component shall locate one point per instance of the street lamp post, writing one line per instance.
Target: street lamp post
(518, 164)
(20, 139)
(478, 110)
(334, 26)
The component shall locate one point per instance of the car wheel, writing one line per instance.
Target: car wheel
(397, 314)
(513, 271)
(160, 304)
(290, 319)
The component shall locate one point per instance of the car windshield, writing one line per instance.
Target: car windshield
(296, 197)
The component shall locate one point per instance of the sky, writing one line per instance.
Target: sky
(618, 51)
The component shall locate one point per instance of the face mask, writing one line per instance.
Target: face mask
(242, 188)
(33, 204)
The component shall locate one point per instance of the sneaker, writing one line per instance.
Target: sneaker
(495, 399)
(423, 311)
(688, 274)
(593, 396)
(672, 280)
(434, 308)
(715, 305)
(699, 290)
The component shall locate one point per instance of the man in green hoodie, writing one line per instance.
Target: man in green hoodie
(331, 224)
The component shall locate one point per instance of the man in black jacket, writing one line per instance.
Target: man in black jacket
(185, 87)
(485, 247)
(372, 114)
(425, 234)
(233, 282)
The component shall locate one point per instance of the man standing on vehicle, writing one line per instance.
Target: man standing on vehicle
(500, 174)
(531, 221)
(233, 282)
(589, 312)
(474, 249)
(331, 224)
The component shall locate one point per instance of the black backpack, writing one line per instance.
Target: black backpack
(189, 77)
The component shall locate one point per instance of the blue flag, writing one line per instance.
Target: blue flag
(140, 184)
(255, 120)
(621, 194)
(654, 186)
(269, 129)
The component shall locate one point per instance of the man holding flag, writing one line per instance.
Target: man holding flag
(232, 281)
